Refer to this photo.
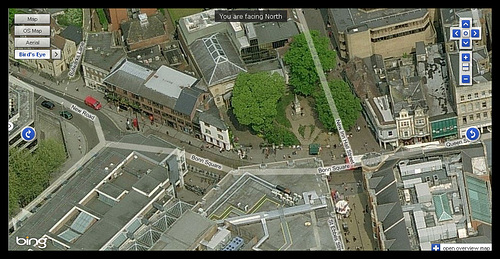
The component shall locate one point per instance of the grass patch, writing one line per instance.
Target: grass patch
(102, 18)
(71, 16)
(283, 102)
(177, 13)
(302, 130)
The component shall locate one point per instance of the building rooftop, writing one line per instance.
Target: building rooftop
(22, 111)
(102, 50)
(358, 19)
(388, 207)
(217, 59)
(169, 81)
(247, 199)
(143, 28)
(268, 32)
(165, 85)
(435, 86)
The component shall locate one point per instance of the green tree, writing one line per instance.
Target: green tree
(303, 76)
(29, 173)
(254, 98)
(71, 16)
(348, 105)
(13, 192)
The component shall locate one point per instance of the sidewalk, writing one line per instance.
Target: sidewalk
(76, 88)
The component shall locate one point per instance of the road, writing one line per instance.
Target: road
(108, 127)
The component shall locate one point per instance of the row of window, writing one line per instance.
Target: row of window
(477, 117)
(476, 95)
(401, 34)
(407, 123)
(219, 136)
(470, 107)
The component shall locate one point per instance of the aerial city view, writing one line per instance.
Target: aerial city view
(349, 129)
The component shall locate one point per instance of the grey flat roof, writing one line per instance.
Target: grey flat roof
(348, 18)
(100, 52)
(164, 86)
(435, 87)
(268, 32)
(169, 81)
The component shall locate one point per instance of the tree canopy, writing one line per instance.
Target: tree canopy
(348, 105)
(29, 173)
(254, 98)
(303, 76)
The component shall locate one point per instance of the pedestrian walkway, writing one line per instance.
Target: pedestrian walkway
(303, 123)
(324, 84)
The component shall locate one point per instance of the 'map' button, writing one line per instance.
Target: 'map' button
(23, 18)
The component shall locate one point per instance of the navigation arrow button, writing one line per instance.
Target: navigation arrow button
(475, 33)
(56, 54)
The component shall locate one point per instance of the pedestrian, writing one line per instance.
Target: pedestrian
(353, 238)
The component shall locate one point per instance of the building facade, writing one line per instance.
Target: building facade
(214, 131)
(165, 95)
(362, 32)
(102, 53)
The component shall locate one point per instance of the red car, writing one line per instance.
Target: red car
(92, 102)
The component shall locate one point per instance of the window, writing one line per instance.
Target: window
(464, 119)
(389, 133)
(462, 98)
(471, 117)
(485, 114)
(483, 93)
(478, 116)
(476, 95)
(207, 131)
(220, 137)
(484, 104)
(469, 96)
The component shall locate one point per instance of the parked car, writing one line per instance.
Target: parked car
(66, 115)
(92, 102)
(48, 104)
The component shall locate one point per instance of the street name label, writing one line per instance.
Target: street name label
(206, 162)
(83, 112)
(345, 141)
(457, 142)
(334, 168)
